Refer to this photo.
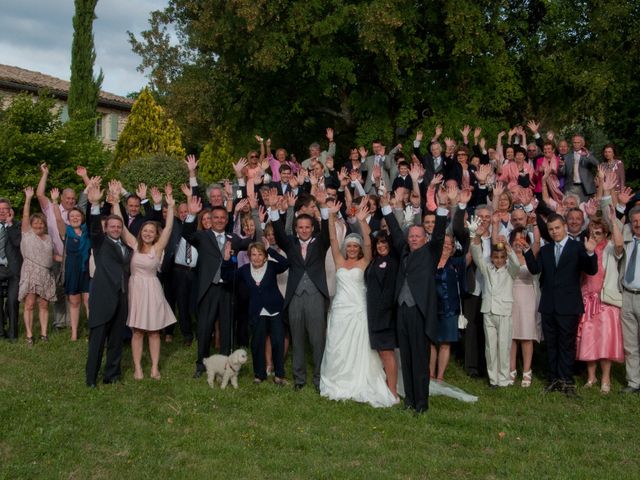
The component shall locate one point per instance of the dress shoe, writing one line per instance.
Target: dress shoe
(281, 382)
(569, 391)
(187, 343)
(317, 388)
(91, 385)
(111, 381)
(198, 373)
(555, 386)
(629, 389)
(298, 386)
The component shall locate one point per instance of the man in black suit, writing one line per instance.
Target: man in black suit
(307, 294)
(417, 324)
(214, 294)
(108, 302)
(433, 161)
(561, 264)
(10, 265)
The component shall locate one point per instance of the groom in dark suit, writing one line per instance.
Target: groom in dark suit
(214, 294)
(307, 294)
(560, 265)
(417, 324)
(108, 302)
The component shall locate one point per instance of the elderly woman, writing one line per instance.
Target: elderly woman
(36, 276)
(600, 330)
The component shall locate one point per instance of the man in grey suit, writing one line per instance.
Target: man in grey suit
(316, 155)
(630, 282)
(307, 294)
(576, 167)
(386, 161)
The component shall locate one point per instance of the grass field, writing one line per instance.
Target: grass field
(52, 426)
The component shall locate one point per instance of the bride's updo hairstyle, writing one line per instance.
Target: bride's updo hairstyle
(352, 238)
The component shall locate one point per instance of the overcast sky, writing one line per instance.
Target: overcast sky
(36, 35)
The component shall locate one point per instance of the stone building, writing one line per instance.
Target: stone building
(113, 110)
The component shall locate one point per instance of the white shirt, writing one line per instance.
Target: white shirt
(576, 167)
(181, 255)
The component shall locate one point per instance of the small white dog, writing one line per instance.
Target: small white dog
(226, 368)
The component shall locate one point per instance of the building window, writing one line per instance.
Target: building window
(99, 127)
(113, 130)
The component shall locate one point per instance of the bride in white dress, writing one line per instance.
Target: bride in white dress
(351, 370)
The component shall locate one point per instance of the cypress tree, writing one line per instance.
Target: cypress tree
(84, 90)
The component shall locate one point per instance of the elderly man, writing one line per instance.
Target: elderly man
(315, 155)
(576, 168)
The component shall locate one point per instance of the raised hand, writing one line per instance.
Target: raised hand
(476, 132)
(44, 168)
(329, 162)
(610, 181)
(239, 166)
(186, 190)
(419, 135)
(483, 172)
(115, 190)
(268, 143)
(28, 193)
(363, 209)
(141, 191)
(227, 250)
(437, 179)
(464, 196)
(156, 195)
(81, 171)
(335, 208)
(362, 151)
(449, 143)
(195, 205)
(191, 163)
(483, 144)
(321, 197)
(550, 135)
(376, 171)
(55, 195)
(452, 192)
(170, 200)
(625, 195)
(273, 198)
(416, 171)
(498, 189)
(253, 201)
(438, 131)
(442, 197)
(591, 207)
(472, 225)
(533, 126)
(330, 135)
(384, 199)
(241, 204)
(590, 244)
(168, 189)
(259, 139)
(465, 131)
(94, 194)
(342, 174)
(262, 213)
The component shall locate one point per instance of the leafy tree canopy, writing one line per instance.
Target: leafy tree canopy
(287, 69)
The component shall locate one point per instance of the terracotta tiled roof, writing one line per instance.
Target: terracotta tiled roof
(34, 81)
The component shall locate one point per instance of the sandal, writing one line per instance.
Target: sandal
(605, 388)
(30, 341)
(44, 338)
(590, 383)
(512, 375)
(526, 379)
(257, 381)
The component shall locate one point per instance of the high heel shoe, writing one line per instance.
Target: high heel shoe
(512, 376)
(526, 379)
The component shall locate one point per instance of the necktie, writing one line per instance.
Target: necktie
(630, 274)
(188, 254)
(130, 221)
(121, 246)
(558, 253)
(303, 247)
(221, 241)
(3, 241)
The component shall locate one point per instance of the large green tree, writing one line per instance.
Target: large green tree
(149, 131)
(85, 88)
(372, 68)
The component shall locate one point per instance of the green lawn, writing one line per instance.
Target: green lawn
(52, 426)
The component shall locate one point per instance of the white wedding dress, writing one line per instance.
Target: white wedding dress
(351, 370)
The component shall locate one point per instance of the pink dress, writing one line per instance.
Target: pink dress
(525, 307)
(148, 309)
(600, 328)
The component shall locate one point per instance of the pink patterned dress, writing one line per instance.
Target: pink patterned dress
(600, 328)
(148, 308)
